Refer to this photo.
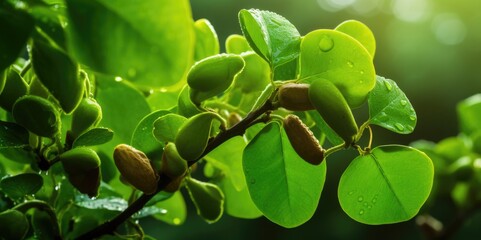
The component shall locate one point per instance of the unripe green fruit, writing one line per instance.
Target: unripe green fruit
(173, 165)
(332, 106)
(135, 167)
(207, 198)
(211, 76)
(87, 115)
(193, 136)
(58, 73)
(295, 97)
(15, 87)
(13, 225)
(38, 115)
(82, 167)
(303, 140)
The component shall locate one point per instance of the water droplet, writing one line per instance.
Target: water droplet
(374, 200)
(361, 72)
(163, 211)
(253, 181)
(404, 102)
(388, 85)
(360, 199)
(369, 206)
(326, 43)
(118, 79)
(399, 126)
(365, 204)
(350, 64)
(412, 117)
(176, 221)
(409, 128)
(351, 192)
(361, 212)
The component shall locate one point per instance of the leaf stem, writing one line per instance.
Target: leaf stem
(238, 129)
(334, 149)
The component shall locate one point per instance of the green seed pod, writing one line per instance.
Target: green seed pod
(13, 225)
(15, 87)
(211, 76)
(87, 115)
(207, 198)
(295, 97)
(332, 106)
(82, 167)
(174, 167)
(193, 136)
(38, 115)
(59, 74)
(303, 140)
(135, 167)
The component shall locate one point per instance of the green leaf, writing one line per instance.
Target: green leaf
(255, 75)
(48, 20)
(206, 41)
(94, 136)
(58, 73)
(270, 35)
(149, 211)
(165, 128)
(15, 87)
(361, 33)
(108, 203)
(390, 108)
(185, 106)
(207, 198)
(469, 114)
(238, 202)
(287, 71)
(236, 44)
(43, 226)
(284, 187)
(143, 138)
(148, 42)
(176, 210)
(17, 25)
(331, 136)
(388, 185)
(22, 184)
(12, 135)
(123, 107)
(13, 224)
(339, 58)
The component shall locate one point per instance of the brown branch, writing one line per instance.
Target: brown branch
(239, 129)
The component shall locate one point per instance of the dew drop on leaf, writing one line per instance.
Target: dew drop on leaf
(360, 199)
(350, 64)
(326, 43)
(404, 102)
(361, 72)
(388, 85)
(361, 212)
(351, 192)
(369, 206)
(176, 221)
(412, 117)
(163, 211)
(399, 126)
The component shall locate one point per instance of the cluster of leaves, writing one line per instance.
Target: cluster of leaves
(158, 78)
(457, 163)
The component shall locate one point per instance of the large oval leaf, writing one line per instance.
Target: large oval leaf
(206, 41)
(341, 59)
(361, 33)
(285, 188)
(270, 35)
(390, 108)
(149, 42)
(17, 25)
(143, 137)
(388, 185)
(12, 135)
(22, 184)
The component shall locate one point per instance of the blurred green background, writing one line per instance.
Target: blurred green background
(431, 48)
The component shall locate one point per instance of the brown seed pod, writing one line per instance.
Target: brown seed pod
(295, 97)
(303, 141)
(135, 167)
